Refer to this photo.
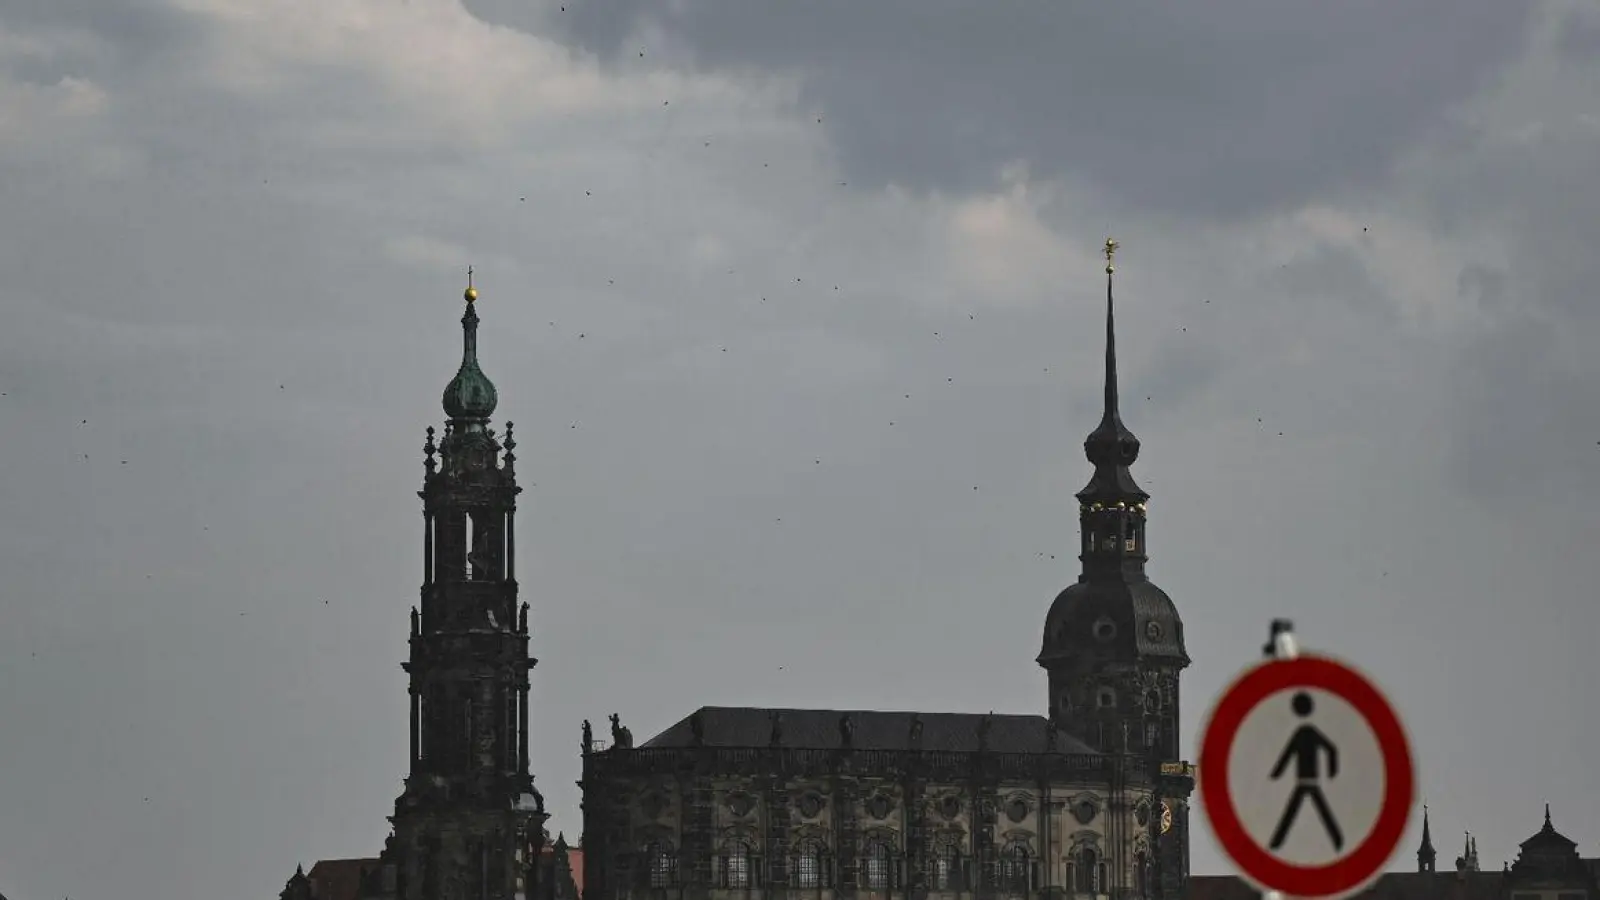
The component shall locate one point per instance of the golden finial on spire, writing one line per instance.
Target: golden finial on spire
(1111, 253)
(471, 293)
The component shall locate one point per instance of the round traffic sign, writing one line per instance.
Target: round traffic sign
(1306, 776)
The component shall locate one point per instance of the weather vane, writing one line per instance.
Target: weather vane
(1111, 253)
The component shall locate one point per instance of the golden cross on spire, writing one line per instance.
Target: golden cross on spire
(1111, 254)
(471, 293)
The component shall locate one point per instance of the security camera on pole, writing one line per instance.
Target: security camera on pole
(1305, 774)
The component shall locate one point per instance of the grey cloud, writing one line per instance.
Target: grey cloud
(1579, 39)
(1216, 109)
(165, 631)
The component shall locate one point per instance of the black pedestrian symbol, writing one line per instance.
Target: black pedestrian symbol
(1305, 748)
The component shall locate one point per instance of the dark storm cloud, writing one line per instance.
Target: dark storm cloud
(1525, 417)
(1214, 109)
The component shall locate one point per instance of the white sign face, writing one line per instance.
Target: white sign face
(1307, 776)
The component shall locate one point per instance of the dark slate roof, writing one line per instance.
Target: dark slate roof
(818, 729)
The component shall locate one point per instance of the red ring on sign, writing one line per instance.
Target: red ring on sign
(1358, 866)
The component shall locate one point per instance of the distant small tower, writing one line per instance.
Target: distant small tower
(1468, 860)
(1425, 853)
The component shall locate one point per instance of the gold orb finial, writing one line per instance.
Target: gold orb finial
(1111, 254)
(471, 293)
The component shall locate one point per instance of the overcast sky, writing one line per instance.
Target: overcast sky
(797, 311)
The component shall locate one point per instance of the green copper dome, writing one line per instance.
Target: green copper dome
(470, 395)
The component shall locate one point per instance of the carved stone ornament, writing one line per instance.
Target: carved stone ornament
(950, 806)
(1084, 810)
(1152, 701)
(811, 805)
(653, 805)
(740, 804)
(879, 806)
(1141, 814)
(1017, 809)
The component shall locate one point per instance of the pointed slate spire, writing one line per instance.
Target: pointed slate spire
(1426, 855)
(1111, 447)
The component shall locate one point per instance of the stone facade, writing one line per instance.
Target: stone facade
(713, 820)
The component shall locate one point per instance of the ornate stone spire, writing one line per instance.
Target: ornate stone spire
(470, 397)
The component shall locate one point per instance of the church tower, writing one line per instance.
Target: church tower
(1427, 857)
(470, 823)
(1113, 642)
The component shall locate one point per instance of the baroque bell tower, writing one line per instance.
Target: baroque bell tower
(1113, 642)
(469, 823)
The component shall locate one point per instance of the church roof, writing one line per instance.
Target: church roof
(339, 879)
(818, 729)
(1547, 838)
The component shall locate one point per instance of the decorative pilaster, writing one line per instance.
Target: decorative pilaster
(778, 823)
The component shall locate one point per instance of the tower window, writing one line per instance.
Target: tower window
(1087, 869)
(879, 866)
(662, 865)
(810, 865)
(1014, 866)
(736, 865)
(1130, 537)
(1105, 698)
(1104, 630)
(946, 867)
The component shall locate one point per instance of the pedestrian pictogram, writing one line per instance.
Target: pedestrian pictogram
(1306, 750)
(1306, 775)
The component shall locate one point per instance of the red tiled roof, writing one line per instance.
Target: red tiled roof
(339, 879)
(574, 861)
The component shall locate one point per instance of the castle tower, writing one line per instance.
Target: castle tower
(469, 823)
(1113, 642)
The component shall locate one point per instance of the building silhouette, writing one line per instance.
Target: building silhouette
(1547, 867)
(469, 823)
(1088, 798)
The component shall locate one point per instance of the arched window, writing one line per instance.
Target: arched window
(810, 869)
(947, 867)
(1015, 864)
(877, 870)
(661, 864)
(1086, 877)
(736, 865)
